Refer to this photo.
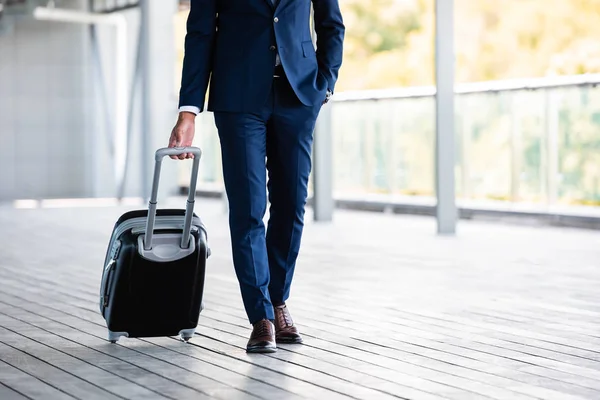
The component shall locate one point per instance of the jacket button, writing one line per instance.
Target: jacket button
(276, 20)
(272, 48)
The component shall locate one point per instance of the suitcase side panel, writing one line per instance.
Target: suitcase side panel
(155, 299)
(116, 302)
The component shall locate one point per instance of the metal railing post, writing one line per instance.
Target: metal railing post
(446, 212)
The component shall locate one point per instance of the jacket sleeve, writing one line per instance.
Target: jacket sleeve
(197, 60)
(330, 30)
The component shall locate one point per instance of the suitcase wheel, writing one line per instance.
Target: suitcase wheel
(187, 334)
(113, 337)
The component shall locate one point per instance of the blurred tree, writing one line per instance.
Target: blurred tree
(377, 33)
(391, 42)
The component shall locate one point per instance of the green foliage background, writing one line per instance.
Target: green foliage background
(390, 43)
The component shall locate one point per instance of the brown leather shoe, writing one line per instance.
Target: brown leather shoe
(285, 331)
(262, 339)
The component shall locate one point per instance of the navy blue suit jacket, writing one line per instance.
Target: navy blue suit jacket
(231, 43)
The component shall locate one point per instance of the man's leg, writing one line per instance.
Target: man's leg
(243, 147)
(289, 147)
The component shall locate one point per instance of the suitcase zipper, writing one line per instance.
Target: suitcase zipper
(104, 287)
(141, 223)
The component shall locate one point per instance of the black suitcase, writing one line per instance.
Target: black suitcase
(153, 278)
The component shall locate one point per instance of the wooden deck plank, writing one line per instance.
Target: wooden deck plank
(163, 366)
(405, 322)
(7, 393)
(341, 322)
(493, 355)
(405, 385)
(468, 378)
(97, 329)
(239, 350)
(249, 367)
(385, 306)
(423, 325)
(333, 380)
(82, 361)
(400, 317)
(582, 342)
(306, 374)
(543, 315)
(425, 389)
(19, 336)
(31, 387)
(115, 358)
(95, 287)
(223, 340)
(419, 353)
(539, 321)
(350, 375)
(250, 386)
(419, 326)
(225, 361)
(446, 390)
(203, 385)
(561, 352)
(513, 359)
(51, 375)
(492, 333)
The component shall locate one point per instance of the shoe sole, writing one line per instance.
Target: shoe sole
(290, 341)
(261, 350)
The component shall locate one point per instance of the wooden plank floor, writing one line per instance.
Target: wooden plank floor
(387, 308)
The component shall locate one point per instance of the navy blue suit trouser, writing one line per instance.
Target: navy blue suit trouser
(282, 134)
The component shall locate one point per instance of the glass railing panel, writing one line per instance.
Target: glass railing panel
(539, 145)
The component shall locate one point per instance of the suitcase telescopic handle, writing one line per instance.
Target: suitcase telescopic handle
(189, 208)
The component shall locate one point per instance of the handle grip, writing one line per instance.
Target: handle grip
(189, 208)
(175, 151)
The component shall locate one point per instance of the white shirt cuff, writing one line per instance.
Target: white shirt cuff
(192, 109)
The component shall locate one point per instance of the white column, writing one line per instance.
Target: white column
(120, 99)
(446, 212)
(323, 203)
(158, 94)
